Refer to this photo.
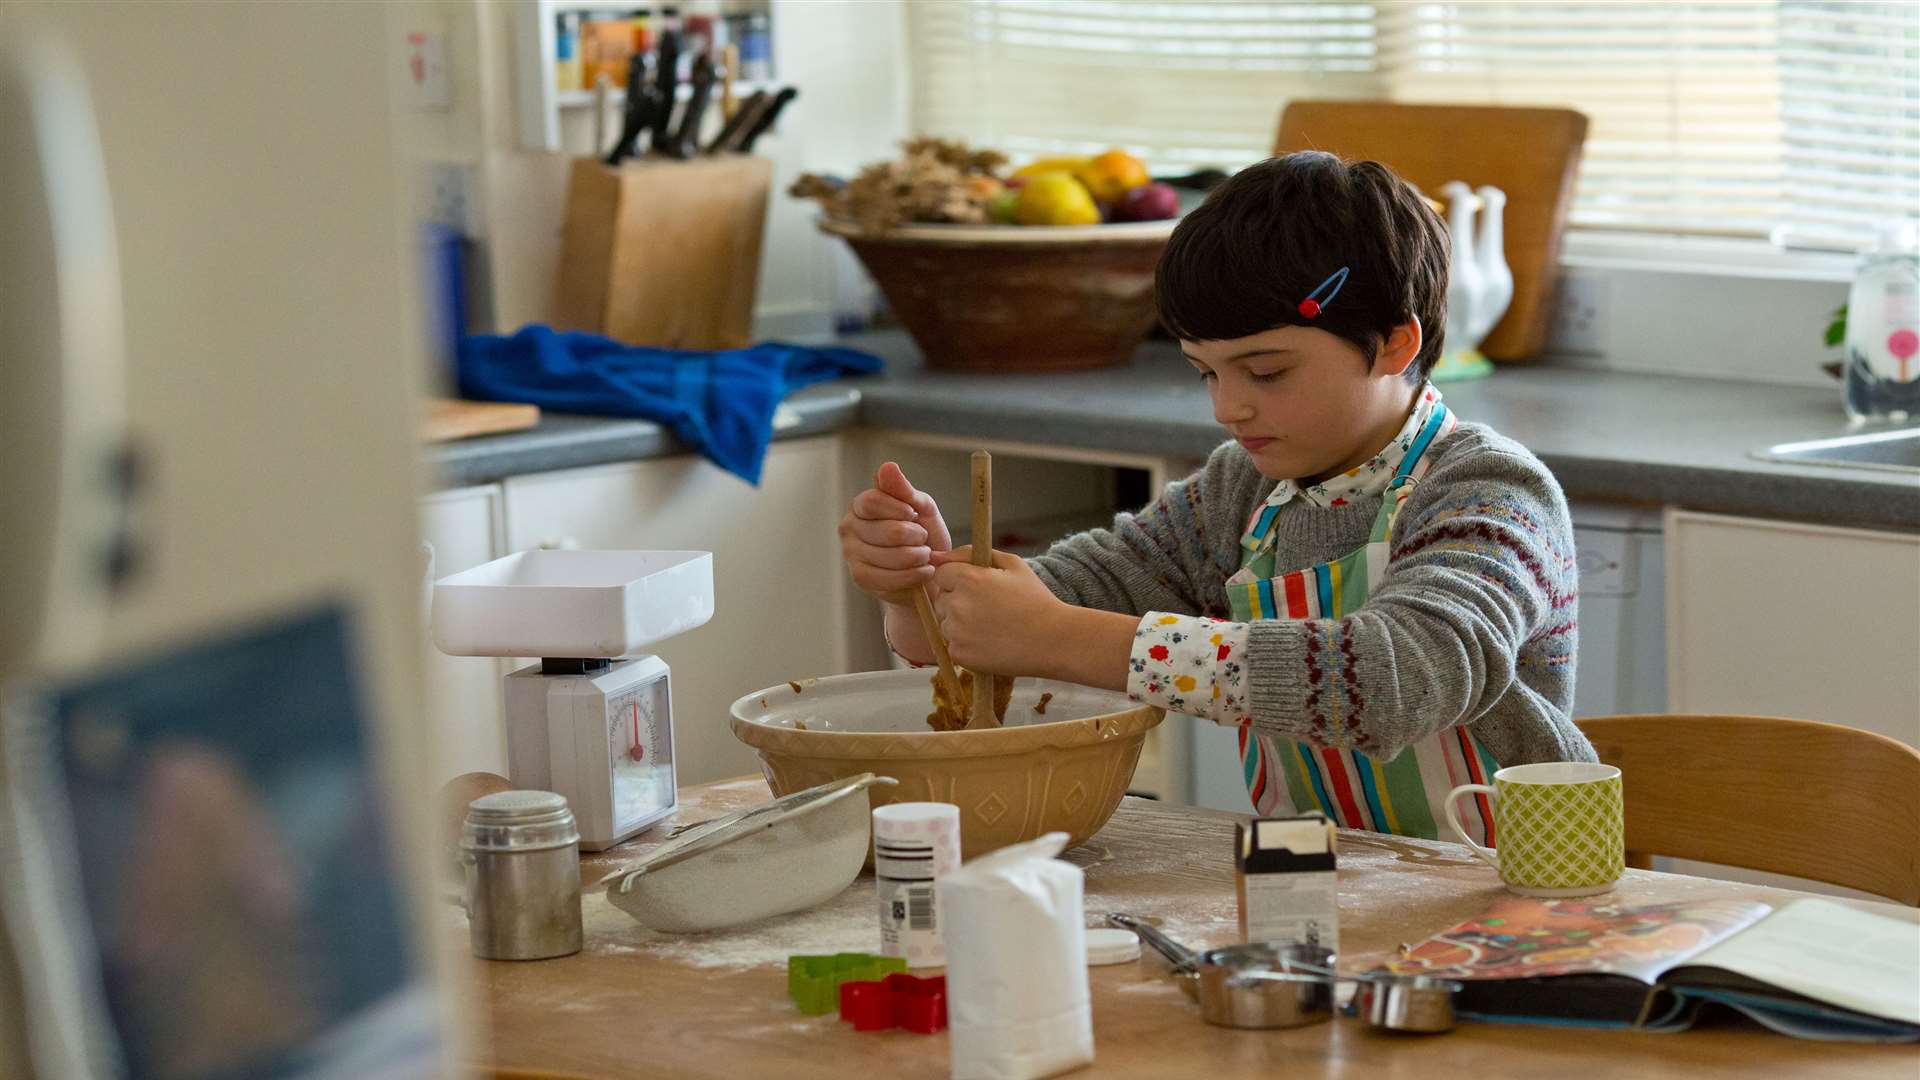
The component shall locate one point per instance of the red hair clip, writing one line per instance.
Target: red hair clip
(1315, 301)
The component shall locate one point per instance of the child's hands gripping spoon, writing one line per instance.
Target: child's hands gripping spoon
(888, 538)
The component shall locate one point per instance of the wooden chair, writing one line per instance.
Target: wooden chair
(1818, 801)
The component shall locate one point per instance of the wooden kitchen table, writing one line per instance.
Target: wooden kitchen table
(637, 1003)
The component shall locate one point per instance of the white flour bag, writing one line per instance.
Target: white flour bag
(1017, 1000)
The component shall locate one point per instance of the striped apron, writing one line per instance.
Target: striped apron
(1405, 795)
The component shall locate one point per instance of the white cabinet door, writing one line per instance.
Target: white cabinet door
(1784, 619)
(463, 693)
(779, 601)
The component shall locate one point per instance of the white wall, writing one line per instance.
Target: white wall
(1698, 307)
(451, 134)
(849, 59)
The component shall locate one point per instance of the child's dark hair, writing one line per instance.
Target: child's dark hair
(1241, 263)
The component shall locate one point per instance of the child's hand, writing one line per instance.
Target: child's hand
(889, 536)
(998, 619)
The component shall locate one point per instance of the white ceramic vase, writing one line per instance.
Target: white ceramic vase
(1464, 285)
(1490, 258)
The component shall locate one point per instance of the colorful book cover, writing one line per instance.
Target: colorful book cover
(1522, 938)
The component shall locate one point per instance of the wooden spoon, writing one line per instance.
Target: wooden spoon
(930, 626)
(983, 683)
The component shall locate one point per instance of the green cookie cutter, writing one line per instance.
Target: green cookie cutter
(813, 982)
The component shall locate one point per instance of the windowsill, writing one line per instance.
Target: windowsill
(1719, 256)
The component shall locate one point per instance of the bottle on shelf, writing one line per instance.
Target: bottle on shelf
(642, 20)
(1883, 328)
(566, 52)
(756, 49)
(700, 34)
(606, 41)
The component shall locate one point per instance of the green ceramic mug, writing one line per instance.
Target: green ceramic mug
(1558, 828)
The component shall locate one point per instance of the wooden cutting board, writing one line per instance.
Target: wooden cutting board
(447, 419)
(1531, 154)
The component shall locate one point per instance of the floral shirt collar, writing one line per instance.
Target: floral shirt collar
(1369, 477)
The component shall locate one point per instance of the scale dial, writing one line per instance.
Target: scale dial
(640, 750)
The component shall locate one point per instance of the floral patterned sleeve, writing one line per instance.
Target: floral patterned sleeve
(1193, 665)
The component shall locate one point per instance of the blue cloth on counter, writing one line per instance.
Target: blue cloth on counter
(720, 403)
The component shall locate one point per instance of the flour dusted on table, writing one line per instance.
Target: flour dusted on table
(843, 924)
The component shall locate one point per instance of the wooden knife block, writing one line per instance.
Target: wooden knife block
(664, 253)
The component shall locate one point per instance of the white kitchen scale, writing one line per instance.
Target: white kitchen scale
(593, 720)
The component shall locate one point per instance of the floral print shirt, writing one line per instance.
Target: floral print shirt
(1369, 477)
(1191, 664)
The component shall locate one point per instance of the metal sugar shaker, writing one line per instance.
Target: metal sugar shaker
(521, 854)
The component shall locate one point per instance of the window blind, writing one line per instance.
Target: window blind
(1794, 119)
(1850, 90)
(1682, 99)
(1181, 85)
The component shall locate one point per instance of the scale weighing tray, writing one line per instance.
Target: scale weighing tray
(572, 603)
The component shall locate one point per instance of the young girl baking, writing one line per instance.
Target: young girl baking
(1379, 594)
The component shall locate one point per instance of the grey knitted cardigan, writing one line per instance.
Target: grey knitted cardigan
(1473, 623)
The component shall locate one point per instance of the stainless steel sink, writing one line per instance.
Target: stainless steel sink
(1892, 450)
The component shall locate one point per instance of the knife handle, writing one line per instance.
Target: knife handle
(667, 76)
(686, 141)
(737, 124)
(729, 69)
(766, 119)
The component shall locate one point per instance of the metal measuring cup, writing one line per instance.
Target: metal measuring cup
(1210, 978)
(1412, 1004)
(1268, 985)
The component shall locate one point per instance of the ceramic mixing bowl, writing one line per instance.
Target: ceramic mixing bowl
(1058, 765)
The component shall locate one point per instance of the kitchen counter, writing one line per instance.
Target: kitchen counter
(564, 441)
(635, 1002)
(1650, 439)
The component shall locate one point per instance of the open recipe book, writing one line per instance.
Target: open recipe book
(1815, 969)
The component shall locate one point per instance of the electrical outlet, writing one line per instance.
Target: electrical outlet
(448, 195)
(1579, 314)
(427, 85)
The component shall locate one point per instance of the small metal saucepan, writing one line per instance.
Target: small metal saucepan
(1416, 1004)
(1265, 985)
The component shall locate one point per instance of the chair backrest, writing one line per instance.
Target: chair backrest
(1814, 800)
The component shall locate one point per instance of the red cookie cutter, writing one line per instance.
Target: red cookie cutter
(908, 1001)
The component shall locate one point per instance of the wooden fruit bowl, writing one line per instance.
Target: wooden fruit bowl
(1016, 297)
